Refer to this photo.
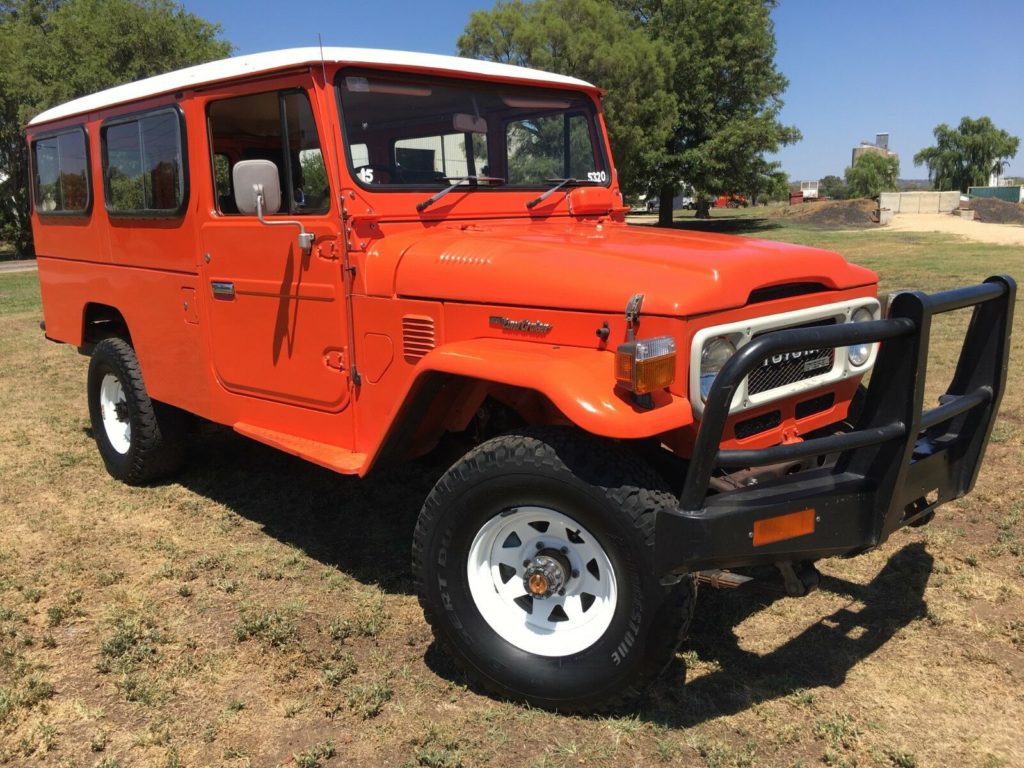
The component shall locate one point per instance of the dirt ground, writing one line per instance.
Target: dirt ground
(834, 214)
(979, 231)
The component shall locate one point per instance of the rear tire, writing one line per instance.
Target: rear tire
(140, 440)
(577, 513)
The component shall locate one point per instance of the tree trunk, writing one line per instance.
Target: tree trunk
(665, 198)
(703, 208)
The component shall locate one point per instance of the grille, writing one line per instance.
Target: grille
(758, 424)
(780, 370)
(417, 337)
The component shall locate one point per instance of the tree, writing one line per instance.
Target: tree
(833, 187)
(591, 40)
(727, 87)
(965, 156)
(765, 181)
(52, 51)
(705, 111)
(872, 174)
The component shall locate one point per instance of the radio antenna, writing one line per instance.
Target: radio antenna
(323, 64)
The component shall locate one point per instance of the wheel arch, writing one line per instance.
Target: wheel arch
(102, 321)
(542, 383)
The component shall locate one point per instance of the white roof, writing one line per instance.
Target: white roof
(240, 66)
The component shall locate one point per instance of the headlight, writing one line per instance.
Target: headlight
(859, 353)
(645, 365)
(714, 355)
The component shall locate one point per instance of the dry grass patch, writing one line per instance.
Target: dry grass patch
(259, 611)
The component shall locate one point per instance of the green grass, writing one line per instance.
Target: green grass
(19, 293)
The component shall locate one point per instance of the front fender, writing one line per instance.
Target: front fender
(579, 382)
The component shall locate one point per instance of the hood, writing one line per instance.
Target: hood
(597, 267)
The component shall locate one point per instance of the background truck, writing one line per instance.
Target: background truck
(350, 254)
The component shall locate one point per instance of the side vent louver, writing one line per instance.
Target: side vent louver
(417, 337)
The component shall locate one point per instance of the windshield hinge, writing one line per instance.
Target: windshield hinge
(633, 315)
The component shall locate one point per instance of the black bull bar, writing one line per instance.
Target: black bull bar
(894, 467)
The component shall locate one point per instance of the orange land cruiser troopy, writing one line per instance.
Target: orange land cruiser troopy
(348, 253)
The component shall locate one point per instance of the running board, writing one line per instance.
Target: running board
(330, 456)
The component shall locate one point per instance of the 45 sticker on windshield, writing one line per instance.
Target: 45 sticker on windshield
(366, 175)
(598, 176)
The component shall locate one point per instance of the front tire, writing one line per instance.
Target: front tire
(532, 563)
(139, 439)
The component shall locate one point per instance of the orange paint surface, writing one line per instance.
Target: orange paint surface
(296, 357)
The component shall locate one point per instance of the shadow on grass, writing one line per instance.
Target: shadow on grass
(723, 226)
(821, 655)
(361, 527)
(364, 528)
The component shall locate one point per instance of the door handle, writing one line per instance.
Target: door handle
(223, 290)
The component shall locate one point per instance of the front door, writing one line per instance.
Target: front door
(277, 315)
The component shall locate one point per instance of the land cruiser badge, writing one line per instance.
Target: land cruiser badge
(523, 326)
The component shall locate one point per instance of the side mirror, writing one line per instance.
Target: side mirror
(252, 178)
(258, 190)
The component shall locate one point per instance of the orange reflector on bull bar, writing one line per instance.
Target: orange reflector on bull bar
(783, 527)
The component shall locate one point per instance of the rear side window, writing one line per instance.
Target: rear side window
(276, 126)
(144, 165)
(61, 179)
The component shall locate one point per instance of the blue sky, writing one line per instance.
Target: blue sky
(855, 69)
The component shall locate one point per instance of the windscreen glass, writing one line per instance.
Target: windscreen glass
(415, 132)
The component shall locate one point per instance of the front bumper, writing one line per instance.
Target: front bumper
(894, 468)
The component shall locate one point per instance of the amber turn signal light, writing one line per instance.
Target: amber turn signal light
(645, 365)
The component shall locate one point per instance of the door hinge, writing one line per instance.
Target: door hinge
(335, 359)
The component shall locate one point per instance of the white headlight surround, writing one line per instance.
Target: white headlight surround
(741, 332)
(713, 356)
(859, 354)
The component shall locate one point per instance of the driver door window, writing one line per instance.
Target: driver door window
(276, 126)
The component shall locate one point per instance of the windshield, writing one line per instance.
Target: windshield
(405, 132)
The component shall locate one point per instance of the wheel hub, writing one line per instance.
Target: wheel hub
(542, 581)
(546, 574)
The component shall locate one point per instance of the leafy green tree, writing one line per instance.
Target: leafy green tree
(728, 91)
(52, 51)
(765, 181)
(833, 187)
(591, 40)
(872, 174)
(964, 156)
(693, 92)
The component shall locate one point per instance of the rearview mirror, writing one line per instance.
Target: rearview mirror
(256, 177)
(464, 123)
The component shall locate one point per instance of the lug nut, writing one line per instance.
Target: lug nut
(526, 563)
(564, 550)
(561, 592)
(575, 573)
(540, 545)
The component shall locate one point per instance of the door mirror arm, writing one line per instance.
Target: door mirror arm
(305, 238)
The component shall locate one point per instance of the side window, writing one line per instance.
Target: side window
(61, 183)
(276, 126)
(144, 165)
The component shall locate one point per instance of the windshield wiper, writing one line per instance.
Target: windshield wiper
(561, 183)
(459, 181)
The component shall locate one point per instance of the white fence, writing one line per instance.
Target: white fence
(919, 202)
